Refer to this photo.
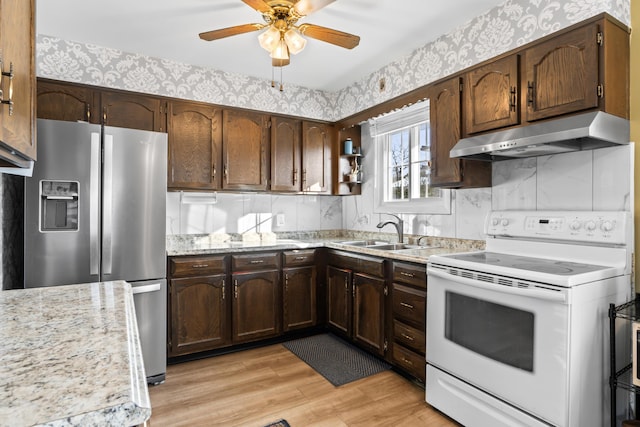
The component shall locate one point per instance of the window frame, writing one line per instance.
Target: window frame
(381, 128)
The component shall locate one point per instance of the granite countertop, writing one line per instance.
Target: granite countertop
(71, 356)
(178, 245)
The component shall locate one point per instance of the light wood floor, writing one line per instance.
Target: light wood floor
(257, 387)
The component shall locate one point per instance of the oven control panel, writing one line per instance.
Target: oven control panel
(611, 227)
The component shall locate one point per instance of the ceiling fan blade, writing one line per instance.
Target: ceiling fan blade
(338, 38)
(306, 7)
(258, 5)
(230, 31)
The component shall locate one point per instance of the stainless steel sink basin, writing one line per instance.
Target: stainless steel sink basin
(364, 242)
(394, 247)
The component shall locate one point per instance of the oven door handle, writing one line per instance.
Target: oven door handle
(549, 295)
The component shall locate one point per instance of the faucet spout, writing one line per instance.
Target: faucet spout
(399, 225)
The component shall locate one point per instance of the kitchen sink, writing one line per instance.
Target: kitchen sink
(394, 247)
(364, 243)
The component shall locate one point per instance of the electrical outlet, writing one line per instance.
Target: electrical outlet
(366, 219)
(280, 220)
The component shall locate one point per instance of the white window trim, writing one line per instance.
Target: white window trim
(407, 117)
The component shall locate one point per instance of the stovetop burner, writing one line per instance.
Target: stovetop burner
(539, 265)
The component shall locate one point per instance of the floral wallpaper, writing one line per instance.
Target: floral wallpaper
(501, 29)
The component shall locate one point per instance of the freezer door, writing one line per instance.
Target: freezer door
(134, 203)
(150, 300)
(62, 206)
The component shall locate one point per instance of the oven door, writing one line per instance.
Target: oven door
(507, 341)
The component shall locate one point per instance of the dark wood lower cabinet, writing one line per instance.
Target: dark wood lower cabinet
(299, 298)
(256, 305)
(198, 314)
(339, 299)
(368, 312)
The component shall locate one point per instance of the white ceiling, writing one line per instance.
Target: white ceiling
(388, 30)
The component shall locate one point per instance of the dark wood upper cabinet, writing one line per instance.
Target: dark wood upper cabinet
(245, 142)
(68, 102)
(445, 129)
(134, 111)
(491, 95)
(316, 157)
(286, 173)
(195, 146)
(17, 54)
(562, 74)
(444, 104)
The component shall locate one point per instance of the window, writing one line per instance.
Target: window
(403, 160)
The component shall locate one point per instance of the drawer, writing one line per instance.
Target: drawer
(410, 361)
(297, 257)
(369, 265)
(409, 304)
(412, 274)
(196, 266)
(255, 261)
(409, 336)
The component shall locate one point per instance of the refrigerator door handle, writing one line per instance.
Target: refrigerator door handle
(145, 288)
(94, 206)
(107, 204)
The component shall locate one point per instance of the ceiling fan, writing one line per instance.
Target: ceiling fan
(283, 36)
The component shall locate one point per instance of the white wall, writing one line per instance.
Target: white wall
(242, 212)
(588, 180)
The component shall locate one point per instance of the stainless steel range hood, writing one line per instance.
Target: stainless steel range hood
(585, 131)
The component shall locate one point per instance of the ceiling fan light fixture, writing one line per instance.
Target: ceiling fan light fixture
(281, 51)
(269, 39)
(295, 42)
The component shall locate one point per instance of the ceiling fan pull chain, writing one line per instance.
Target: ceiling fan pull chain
(281, 86)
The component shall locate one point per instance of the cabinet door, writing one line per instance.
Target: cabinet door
(316, 157)
(299, 298)
(60, 101)
(444, 99)
(562, 74)
(133, 111)
(339, 299)
(198, 311)
(491, 96)
(368, 312)
(17, 52)
(255, 306)
(245, 139)
(285, 154)
(195, 146)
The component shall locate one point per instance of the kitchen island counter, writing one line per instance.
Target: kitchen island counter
(71, 356)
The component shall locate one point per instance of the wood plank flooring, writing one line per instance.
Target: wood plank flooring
(259, 386)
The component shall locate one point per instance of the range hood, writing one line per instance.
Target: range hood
(585, 131)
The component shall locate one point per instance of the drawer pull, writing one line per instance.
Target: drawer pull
(409, 306)
(403, 273)
(200, 266)
(300, 258)
(407, 361)
(256, 261)
(407, 337)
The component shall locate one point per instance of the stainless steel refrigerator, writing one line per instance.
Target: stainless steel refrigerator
(95, 211)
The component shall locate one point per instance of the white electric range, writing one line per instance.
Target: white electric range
(518, 334)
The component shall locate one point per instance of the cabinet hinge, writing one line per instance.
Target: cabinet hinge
(385, 346)
(600, 91)
(386, 290)
(461, 86)
(599, 38)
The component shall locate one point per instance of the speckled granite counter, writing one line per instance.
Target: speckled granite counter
(70, 356)
(204, 244)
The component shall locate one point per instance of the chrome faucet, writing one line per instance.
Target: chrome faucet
(398, 225)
